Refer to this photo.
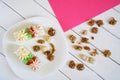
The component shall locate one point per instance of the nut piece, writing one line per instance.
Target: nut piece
(47, 53)
(87, 58)
(87, 48)
(99, 22)
(52, 48)
(50, 57)
(84, 32)
(92, 37)
(72, 38)
(112, 21)
(94, 30)
(43, 48)
(91, 60)
(76, 47)
(41, 41)
(94, 53)
(84, 57)
(80, 67)
(51, 31)
(84, 40)
(91, 22)
(36, 48)
(107, 53)
(47, 38)
(72, 64)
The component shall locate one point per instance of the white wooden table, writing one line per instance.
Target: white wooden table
(12, 11)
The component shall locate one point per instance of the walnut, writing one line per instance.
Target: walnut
(94, 53)
(47, 53)
(51, 31)
(80, 67)
(36, 48)
(72, 64)
(72, 38)
(87, 48)
(84, 32)
(99, 22)
(77, 47)
(91, 22)
(112, 21)
(94, 30)
(41, 41)
(84, 40)
(107, 53)
(50, 57)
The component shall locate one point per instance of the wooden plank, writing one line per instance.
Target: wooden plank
(8, 17)
(86, 74)
(104, 40)
(117, 7)
(46, 5)
(103, 66)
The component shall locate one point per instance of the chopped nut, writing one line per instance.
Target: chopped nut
(94, 53)
(51, 31)
(36, 48)
(84, 40)
(43, 48)
(87, 48)
(47, 38)
(52, 48)
(72, 64)
(94, 30)
(41, 41)
(112, 21)
(91, 60)
(84, 32)
(84, 57)
(91, 22)
(72, 38)
(47, 53)
(99, 22)
(107, 53)
(92, 37)
(50, 57)
(87, 58)
(77, 47)
(80, 67)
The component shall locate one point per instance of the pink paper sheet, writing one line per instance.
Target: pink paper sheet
(71, 13)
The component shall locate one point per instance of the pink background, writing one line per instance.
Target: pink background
(71, 13)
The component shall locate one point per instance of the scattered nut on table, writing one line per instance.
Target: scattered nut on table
(91, 22)
(99, 22)
(72, 38)
(80, 67)
(112, 21)
(87, 48)
(84, 40)
(84, 32)
(107, 53)
(94, 30)
(94, 52)
(77, 47)
(72, 64)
